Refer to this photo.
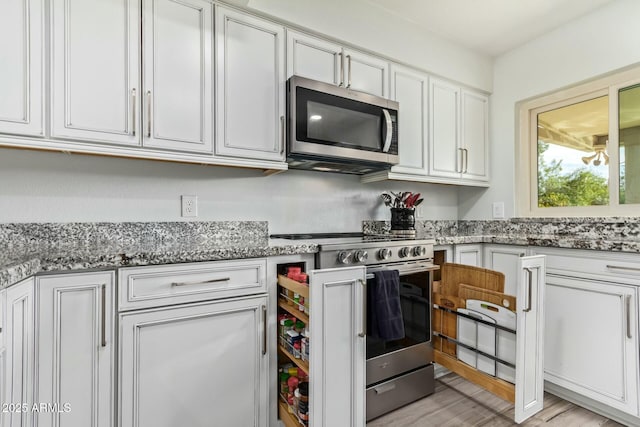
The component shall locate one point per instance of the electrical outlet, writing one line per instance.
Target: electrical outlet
(189, 206)
(420, 212)
(498, 210)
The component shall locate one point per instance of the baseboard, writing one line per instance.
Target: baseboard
(592, 405)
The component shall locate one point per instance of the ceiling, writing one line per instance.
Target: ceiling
(492, 27)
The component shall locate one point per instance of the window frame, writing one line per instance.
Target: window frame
(526, 161)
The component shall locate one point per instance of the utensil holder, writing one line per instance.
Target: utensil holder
(403, 219)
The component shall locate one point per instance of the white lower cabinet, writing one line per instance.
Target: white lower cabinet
(591, 342)
(76, 349)
(504, 258)
(468, 254)
(196, 364)
(18, 359)
(336, 362)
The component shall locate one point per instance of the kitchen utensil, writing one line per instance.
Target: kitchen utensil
(506, 341)
(386, 198)
(479, 336)
(468, 292)
(418, 202)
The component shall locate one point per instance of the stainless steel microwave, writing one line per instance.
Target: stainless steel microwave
(336, 129)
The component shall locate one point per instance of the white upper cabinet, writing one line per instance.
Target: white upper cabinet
(459, 132)
(475, 135)
(366, 73)
(95, 60)
(177, 96)
(445, 156)
(314, 58)
(250, 75)
(21, 56)
(410, 89)
(322, 60)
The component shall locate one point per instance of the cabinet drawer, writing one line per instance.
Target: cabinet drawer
(598, 263)
(143, 287)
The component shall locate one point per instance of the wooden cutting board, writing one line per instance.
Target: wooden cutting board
(445, 323)
(466, 292)
(454, 274)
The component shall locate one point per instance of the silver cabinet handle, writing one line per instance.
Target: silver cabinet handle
(133, 111)
(282, 135)
(364, 308)
(341, 70)
(619, 267)
(264, 330)
(104, 316)
(528, 305)
(461, 158)
(385, 388)
(628, 307)
(149, 113)
(349, 71)
(388, 129)
(203, 282)
(466, 159)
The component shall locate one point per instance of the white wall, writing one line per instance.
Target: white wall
(604, 40)
(55, 187)
(373, 28)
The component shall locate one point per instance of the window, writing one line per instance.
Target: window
(581, 148)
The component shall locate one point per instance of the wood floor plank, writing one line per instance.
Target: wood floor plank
(459, 403)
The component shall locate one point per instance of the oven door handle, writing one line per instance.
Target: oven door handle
(404, 271)
(388, 130)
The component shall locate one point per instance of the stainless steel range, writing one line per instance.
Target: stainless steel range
(398, 371)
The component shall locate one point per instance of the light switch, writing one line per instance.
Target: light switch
(498, 210)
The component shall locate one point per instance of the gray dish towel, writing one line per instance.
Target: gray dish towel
(383, 297)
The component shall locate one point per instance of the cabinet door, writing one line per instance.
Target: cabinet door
(95, 70)
(197, 365)
(445, 156)
(468, 254)
(314, 58)
(251, 84)
(475, 135)
(366, 73)
(19, 354)
(410, 89)
(76, 352)
(337, 358)
(530, 337)
(591, 343)
(178, 80)
(21, 56)
(504, 258)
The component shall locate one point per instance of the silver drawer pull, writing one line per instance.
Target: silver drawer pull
(385, 388)
(628, 307)
(619, 267)
(223, 279)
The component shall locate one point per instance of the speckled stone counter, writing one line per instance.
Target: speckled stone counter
(603, 234)
(32, 248)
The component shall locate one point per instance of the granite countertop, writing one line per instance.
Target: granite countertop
(17, 264)
(39, 247)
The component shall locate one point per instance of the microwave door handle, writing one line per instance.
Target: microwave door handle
(388, 130)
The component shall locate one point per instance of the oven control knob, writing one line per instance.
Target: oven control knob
(343, 257)
(419, 251)
(404, 252)
(384, 254)
(361, 256)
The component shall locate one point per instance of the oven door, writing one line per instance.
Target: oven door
(386, 359)
(329, 121)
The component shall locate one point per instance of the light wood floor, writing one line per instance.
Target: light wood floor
(459, 403)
